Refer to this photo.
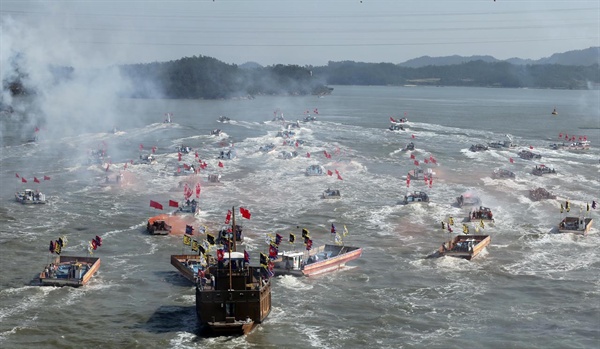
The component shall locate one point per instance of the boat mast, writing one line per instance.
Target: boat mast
(232, 238)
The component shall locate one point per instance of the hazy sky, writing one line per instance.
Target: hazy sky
(299, 32)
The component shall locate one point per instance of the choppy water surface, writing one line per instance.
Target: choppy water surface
(530, 288)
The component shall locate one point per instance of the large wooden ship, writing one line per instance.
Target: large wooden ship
(69, 271)
(232, 297)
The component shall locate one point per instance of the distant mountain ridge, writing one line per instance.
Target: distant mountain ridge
(585, 57)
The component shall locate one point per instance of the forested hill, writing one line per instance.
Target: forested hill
(209, 78)
(474, 73)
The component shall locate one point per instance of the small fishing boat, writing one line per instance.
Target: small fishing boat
(185, 170)
(267, 148)
(501, 173)
(419, 173)
(331, 194)
(503, 144)
(215, 132)
(542, 170)
(188, 207)
(69, 271)
(30, 197)
(184, 149)
(528, 155)
(227, 155)
(223, 119)
(409, 146)
(158, 227)
(286, 155)
(575, 225)
(396, 127)
(214, 178)
(309, 118)
(148, 159)
(285, 134)
(414, 197)
(468, 199)
(463, 246)
(478, 147)
(554, 112)
(317, 261)
(315, 170)
(540, 194)
(481, 214)
(238, 296)
(290, 125)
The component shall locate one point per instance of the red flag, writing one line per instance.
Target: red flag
(173, 203)
(296, 144)
(245, 213)
(531, 147)
(511, 160)
(430, 181)
(23, 180)
(416, 163)
(36, 129)
(156, 205)
(408, 181)
(316, 111)
(178, 156)
(196, 154)
(46, 178)
(340, 177)
(426, 161)
(560, 135)
(307, 155)
(392, 119)
(412, 156)
(228, 217)
(413, 136)
(186, 167)
(36, 180)
(337, 172)
(246, 256)
(198, 190)
(329, 172)
(17, 175)
(220, 255)
(141, 146)
(220, 164)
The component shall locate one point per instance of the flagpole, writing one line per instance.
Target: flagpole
(229, 243)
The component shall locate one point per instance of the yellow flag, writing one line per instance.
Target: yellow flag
(561, 208)
(451, 221)
(482, 224)
(465, 229)
(345, 230)
(194, 245)
(187, 240)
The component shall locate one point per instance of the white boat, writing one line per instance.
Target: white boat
(188, 207)
(317, 261)
(215, 132)
(503, 144)
(414, 197)
(185, 170)
(223, 119)
(331, 194)
(30, 197)
(309, 118)
(419, 173)
(315, 170)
